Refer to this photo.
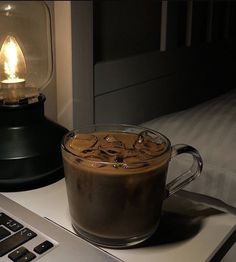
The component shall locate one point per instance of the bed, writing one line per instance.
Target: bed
(211, 128)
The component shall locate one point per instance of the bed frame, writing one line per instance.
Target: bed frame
(138, 88)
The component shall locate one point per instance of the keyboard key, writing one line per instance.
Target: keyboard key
(10, 223)
(28, 257)
(20, 252)
(16, 240)
(4, 232)
(43, 247)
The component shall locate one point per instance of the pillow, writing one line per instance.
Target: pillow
(210, 127)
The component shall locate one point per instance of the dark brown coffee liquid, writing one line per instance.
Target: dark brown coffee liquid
(116, 185)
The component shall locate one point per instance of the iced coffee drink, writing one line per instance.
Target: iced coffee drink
(114, 180)
(116, 183)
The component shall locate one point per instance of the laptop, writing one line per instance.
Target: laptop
(25, 236)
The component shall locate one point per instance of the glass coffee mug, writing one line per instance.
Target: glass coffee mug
(116, 181)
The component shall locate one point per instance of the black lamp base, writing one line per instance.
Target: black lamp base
(30, 154)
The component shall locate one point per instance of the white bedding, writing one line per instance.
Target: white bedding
(211, 128)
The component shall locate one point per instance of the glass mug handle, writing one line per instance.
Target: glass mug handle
(187, 176)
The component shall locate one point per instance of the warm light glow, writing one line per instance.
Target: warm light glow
(12, 62)
(8, 8)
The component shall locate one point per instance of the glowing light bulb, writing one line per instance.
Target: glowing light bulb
(8, 8)
(12, 63)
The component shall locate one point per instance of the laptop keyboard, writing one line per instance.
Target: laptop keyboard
(19, 242)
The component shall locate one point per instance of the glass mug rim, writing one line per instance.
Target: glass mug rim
(109, 128)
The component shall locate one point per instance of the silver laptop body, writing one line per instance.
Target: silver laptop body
(24, 224)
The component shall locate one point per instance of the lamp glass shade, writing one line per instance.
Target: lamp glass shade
(28, 25)
(30, 154)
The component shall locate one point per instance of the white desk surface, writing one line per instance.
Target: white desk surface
(51, 202)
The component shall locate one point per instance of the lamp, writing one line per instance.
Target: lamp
(29, 142)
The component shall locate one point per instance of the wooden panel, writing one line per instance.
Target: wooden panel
(163, 26)
(179, 24)
(117, 74)
(125, 28)
(189, 22)
(114, 75)
(134, 104)
(209, 21)
(200, 22)
(219, 20)
(145, 101)
(232, 20)
(82, 62)
(176, 25)
(202, 74)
